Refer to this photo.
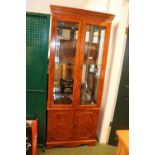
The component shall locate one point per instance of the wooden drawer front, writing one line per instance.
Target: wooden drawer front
(86, 124)
(60, 125)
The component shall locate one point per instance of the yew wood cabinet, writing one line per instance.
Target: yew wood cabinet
(78, 56)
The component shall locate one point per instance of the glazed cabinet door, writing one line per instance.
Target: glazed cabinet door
(63, 61)
(86, 124)
(93, 60)
(60, 125)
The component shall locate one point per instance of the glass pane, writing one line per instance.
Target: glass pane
(92, 64)
(64, 62)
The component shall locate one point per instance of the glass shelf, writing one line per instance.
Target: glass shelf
(65, 62)
(88, 102)
(62, 99)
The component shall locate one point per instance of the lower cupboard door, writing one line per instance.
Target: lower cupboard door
(60, 125)
(86, 124)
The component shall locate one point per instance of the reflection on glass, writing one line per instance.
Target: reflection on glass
(65, 52)
(92, 64)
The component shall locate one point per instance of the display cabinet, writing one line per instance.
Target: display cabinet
(78, 57)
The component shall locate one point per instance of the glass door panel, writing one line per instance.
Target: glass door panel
(65, 53)
(91, 67)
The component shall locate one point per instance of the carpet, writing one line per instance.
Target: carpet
(99, 149)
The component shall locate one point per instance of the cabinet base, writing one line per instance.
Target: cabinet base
(71, 143)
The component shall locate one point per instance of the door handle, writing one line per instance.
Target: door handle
(127, 86)
(127, 98)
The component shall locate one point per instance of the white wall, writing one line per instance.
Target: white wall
(40, 6)
(43, 6)
(97, 5)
